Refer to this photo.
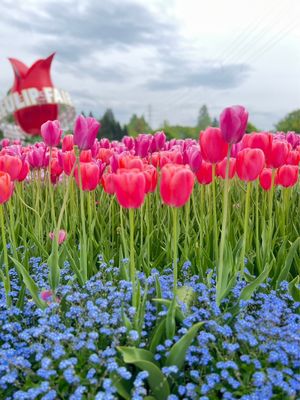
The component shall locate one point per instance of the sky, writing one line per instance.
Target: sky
(161, 58)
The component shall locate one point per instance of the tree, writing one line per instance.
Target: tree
(290, 122)
(215, 122)
(251, 128)
(137, 125)
(204, 119)
(110, 128)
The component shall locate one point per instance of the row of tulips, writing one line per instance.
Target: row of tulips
(225, 162)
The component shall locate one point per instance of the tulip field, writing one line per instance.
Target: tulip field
(150, 269)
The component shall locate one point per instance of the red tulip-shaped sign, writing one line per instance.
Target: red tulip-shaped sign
(33, 99)
(35, 79)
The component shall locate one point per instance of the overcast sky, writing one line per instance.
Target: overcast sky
(171, 55)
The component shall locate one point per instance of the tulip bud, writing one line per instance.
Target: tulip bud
(51, 133)
(85, 132)
(129, 185)
(176, 186)
(6, 187)
(249, 164)
(233, 123)
(287, 175)
(213, 146)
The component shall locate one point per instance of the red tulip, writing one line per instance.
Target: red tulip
(259, 140)
(213, 146)
(265, 178)
(293, 157)
(233, 123)
(176, 186)
(130, 187)
(150, 173)
(6, 187)
(221, 168)
(12, 165)
(107, 182)
(85, 156)
(166, 157)
(204, 173)
(24, 171)
(279, 153)
(67, 143)
(249, 164)
(129, 162)
(67, 160)
(90, 176)
(287, 175)
(51, 133)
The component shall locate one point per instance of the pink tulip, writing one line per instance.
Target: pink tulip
(85, 132)
(233, 123)
(51, 133)
(61, 236)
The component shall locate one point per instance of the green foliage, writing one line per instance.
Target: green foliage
(204, 119)
(110, 128)
(251, 128)
(137, 125)
(290, 122)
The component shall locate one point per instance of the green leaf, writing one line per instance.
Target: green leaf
(178, 313)
(288, 262)
(247, 292)
(178, 351)
(123, 386)
(157, 335)
(30, 284)
(131, 354)
(170, 320)
(294, 288)
(142, 359)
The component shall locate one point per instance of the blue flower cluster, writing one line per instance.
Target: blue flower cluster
(69, 350)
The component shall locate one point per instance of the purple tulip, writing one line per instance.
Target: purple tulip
(233, 123)
(85, 132)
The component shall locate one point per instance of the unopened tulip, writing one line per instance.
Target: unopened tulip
(287, 175)
(67, 160)
(249, 164)
(24, 171)
(293, 158)
(129, 185)
(176, 186)
(85, 132)
(150, 173)
(128, 142)
(51, 133)
(67, 143)
(142, 144)
(233, 123)
(279, 153)
(265, 178)
(89, 174)
(6, 187)
(61, 236)
(213, 146)
(108, 184)
(12, 165)
(204, 173)
(221, 168)
(259, 140)
(37, 157)
(194, 157)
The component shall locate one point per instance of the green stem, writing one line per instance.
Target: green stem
(6, 281)
(132, 258)
(51, 188)
(175, 249)
(246, 223)
(215, 222)
(258, 247)
(221, 266)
